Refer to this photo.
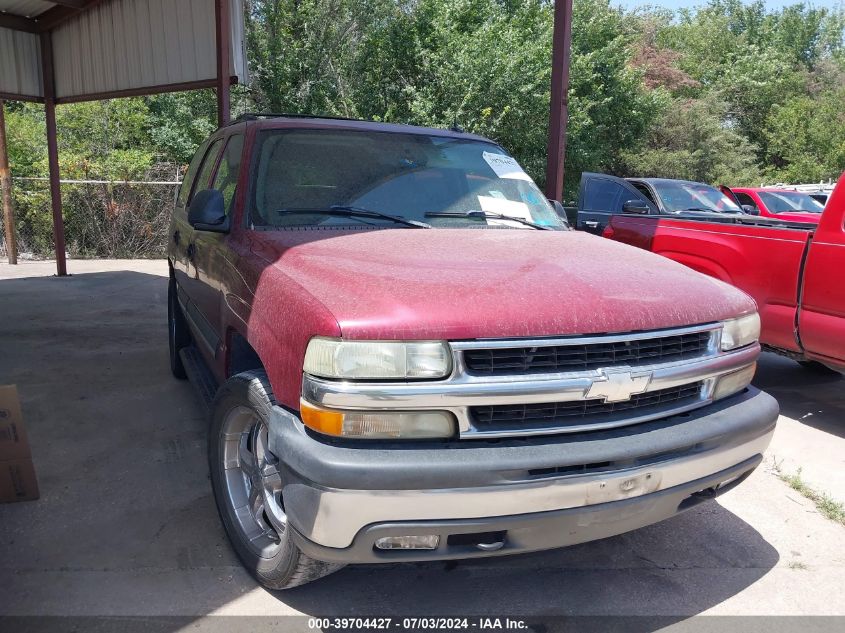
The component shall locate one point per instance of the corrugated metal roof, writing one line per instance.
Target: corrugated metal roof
(25, 8)
(122, 45)
(20, 63)
(126, 44)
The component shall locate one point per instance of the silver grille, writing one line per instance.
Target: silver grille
(523, 403)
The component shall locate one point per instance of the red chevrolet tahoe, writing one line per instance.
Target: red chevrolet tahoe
(790, 268)
(409, 357)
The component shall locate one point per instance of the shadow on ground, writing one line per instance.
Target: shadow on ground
(127, 525)
(678, 568)
(810, 396)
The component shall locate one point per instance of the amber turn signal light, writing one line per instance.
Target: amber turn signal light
(321, 420)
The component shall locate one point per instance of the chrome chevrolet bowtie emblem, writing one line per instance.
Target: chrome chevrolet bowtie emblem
(618, 386)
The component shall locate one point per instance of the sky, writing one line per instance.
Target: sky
(681, 4)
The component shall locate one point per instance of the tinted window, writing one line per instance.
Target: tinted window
(188, 180)
(645, 191)
(785, 201)
(744, 198)
(301, 174)
(226, 179)
(603, 195)
(204, 175)
(679, 196)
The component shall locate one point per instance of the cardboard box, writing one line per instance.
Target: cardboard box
(17, 472)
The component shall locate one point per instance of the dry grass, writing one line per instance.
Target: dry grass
(829, 507)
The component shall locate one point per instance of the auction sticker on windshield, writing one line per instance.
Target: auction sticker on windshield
(505, 166)
(510, 208)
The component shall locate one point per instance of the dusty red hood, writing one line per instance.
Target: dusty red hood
(464, 283)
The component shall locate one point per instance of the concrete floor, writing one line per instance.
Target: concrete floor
(127, 525)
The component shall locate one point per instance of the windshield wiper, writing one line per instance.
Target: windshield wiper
(344, 211)
(485, 214)
(704, 209)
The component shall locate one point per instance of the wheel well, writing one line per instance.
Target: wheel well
(241, 355)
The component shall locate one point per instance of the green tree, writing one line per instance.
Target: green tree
(807, 138)
(694, 140)
(301, 50)
(179, 122)
(485, 64)
(754, 60)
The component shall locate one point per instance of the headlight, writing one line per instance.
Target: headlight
(378, 424)
(740, 332)
(731, 383)
(336, 358)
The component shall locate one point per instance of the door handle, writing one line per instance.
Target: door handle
(591, 224)
(176, 237)
(191, 251)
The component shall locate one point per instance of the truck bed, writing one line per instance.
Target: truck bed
(763, 257)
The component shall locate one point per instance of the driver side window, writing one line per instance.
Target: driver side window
(226, 178)
(744, 198)
(208, 163)
(645, 192)
(190, 174)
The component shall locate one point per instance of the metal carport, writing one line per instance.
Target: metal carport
(66, 51)
(86, 50)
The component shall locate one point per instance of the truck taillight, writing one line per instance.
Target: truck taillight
(608, 232)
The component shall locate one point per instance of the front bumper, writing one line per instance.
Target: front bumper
(542, 493)
(530, 532)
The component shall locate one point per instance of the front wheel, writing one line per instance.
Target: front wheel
(248, 486)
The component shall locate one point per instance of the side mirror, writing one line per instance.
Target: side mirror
(560, 210)
(635, 206)
(750, 209)
(207, 212)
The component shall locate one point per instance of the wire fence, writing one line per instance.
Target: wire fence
(103, 219)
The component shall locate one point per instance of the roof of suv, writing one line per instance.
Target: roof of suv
(275, 121)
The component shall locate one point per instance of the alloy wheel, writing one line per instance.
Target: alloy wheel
(252, 482)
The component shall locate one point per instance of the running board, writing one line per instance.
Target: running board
(201, 378)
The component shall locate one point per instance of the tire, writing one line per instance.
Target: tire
(178, 334)
(817, 367)
(258, 532)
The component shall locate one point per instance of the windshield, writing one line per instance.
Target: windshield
(786, 201)
(694, 196)
(302, 174)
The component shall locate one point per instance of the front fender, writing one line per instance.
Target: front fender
(284, 317)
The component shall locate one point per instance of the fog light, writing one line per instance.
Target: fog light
(410, 424)
(427, 541)
(733, 382)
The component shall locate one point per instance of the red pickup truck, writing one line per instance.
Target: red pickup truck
(410, 357)
(791, 269)
(777, 203)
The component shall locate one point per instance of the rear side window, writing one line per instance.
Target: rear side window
(188, 180)
(226, 179)
(603, 195)
(208, 163)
